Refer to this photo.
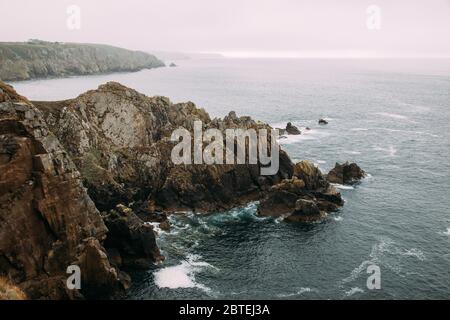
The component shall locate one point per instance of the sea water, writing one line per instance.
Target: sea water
(390, 116)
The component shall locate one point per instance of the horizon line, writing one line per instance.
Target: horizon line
(319, 55)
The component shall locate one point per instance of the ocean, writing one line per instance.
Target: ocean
(389, 116)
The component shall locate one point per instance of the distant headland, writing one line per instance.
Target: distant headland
(42, 59)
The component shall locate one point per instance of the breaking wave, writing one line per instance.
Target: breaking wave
(342, 187)
(182, 275)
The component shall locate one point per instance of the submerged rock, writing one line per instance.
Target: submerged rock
(345, 173)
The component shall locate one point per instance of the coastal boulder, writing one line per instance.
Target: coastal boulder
(310, 174)
(291, 129)
(306, 210)
(305, 197)
(345, 173)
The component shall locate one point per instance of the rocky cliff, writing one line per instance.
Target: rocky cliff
(40, 59)
(120, 141)
(79, 177)
(47, 219)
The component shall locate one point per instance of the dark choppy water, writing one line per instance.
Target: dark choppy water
(391, 117)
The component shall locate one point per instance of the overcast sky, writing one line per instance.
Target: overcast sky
(240, 27)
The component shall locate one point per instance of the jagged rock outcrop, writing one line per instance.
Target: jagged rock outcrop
(305, 197)
(41, 59)
(345, 173)
(132, 242)
(120, 141)
(47, 220)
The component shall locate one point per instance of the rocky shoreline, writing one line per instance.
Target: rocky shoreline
(41, 59)
(81, 178)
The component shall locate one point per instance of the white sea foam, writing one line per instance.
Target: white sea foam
(311, 134)
(419, 133)
(390, 150)
(414, 253)
(279, 219)
(352, 152)
(385, 253)
(156, 227)
(291, 139)
(297, 293)
(409, 132)
(321, 161)
(392, 115)
(342, 187)
(182, 275)
(353, 291)
(415, 108)
(338, 218)
(359, 129)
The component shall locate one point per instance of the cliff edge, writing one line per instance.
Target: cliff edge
(41, 59)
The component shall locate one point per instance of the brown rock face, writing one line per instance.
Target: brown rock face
(306, 197)
(9, 291)
(345, 173)
(133, 241)
(45, 212)
(120, 141)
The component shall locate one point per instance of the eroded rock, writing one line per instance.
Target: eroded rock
(291, 129)
(305, 197)
(132, 241)
(46, 214)
(345, 173)
(120, 141)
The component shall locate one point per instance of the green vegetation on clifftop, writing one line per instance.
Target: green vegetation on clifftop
(40, 59)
